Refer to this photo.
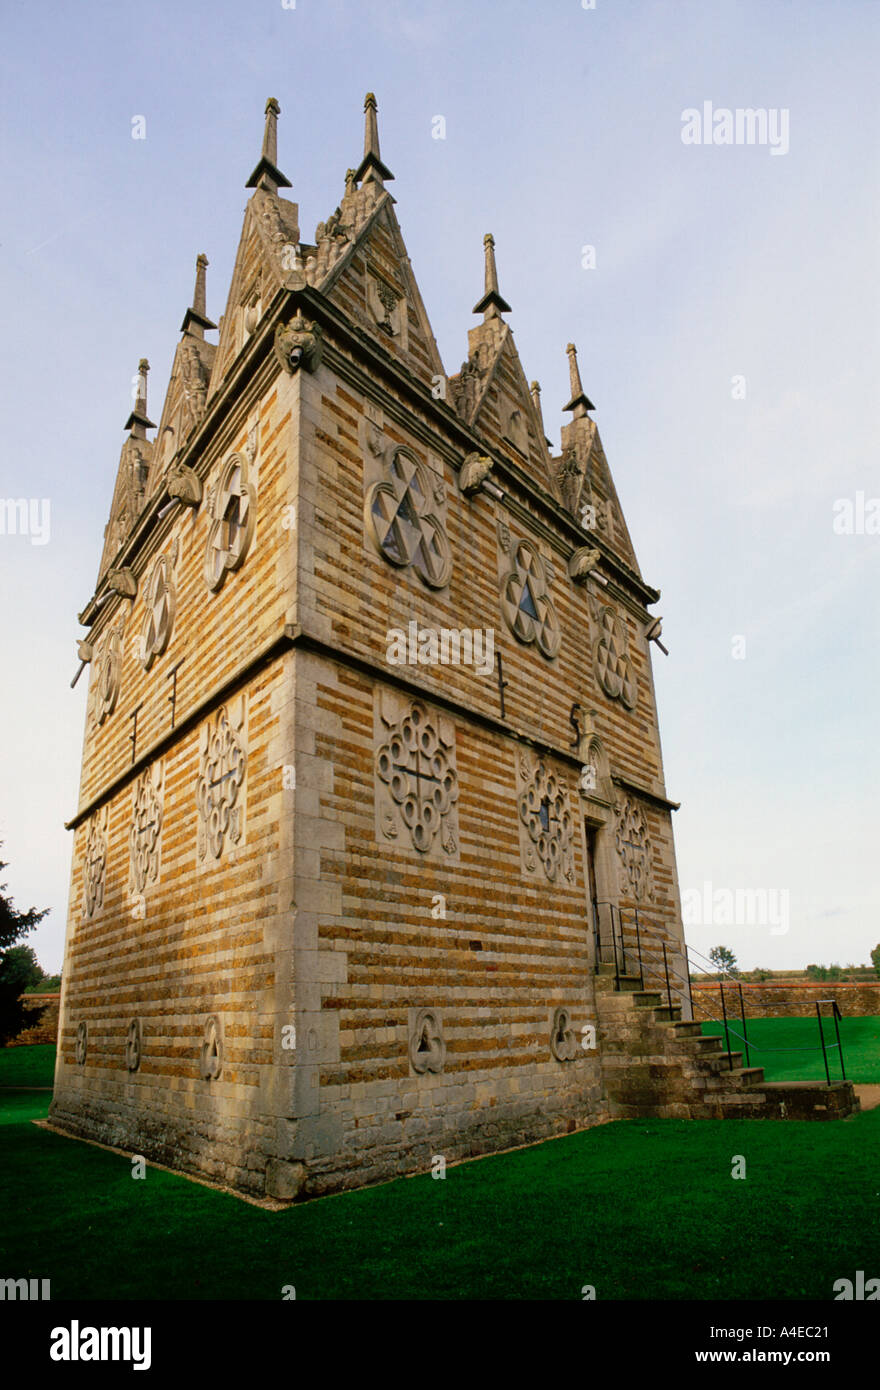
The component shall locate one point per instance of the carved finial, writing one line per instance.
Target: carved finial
(579, 403)
(138, 421)
(350, 182)
(535, 393)
(195, 320)
(267, 174)
(371, 169)
(491, 305)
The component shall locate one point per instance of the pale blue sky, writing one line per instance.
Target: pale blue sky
(563, 128)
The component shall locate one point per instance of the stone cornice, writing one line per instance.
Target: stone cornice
(627, 782)
(293, 636)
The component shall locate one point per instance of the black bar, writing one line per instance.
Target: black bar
(724, 1016)
(822, 1036)
(837, 1015)
(614, 944)
(742, 1010)
(639, 949)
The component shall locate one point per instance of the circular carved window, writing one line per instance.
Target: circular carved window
(403, 524)
(614, 668)
(525, 602)
(233, 516)
(159, 617)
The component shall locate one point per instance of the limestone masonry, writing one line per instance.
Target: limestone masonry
(335, 908)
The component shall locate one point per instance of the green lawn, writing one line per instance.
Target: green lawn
(770, 1037)
(638, 1209)
(28, 1066)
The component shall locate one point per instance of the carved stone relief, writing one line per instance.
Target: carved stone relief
(635, 850)
(416, 782)
(161, 605)
(232, 516)
(194, 388)
(595, 779)
(516, 430)
(146, 829)
(563, 1039)
(106, 674)
(133, 1044)
(427, 1048)
(387, 306)
(546, 822)
(95, 863)
(525, 599)
(299, 344)
(81, 1046)
(219, 790)
(405, 518)
(611, 658)
(211, 1054)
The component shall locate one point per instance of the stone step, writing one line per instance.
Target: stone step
(729, 1061)
(704, 1047)
(668, 1013)
(688, 1029)
(752, 1076)
(646, 998)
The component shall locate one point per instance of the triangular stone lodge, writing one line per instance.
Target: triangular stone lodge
(334, 913)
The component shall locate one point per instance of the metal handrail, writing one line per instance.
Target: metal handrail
(836, 1015)
(722, 977)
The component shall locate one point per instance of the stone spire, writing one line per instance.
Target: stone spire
(195, 320)
(371, 169)
(579, 403)
(139, 421)
(491, 306)
(535, 393)
(267, 174)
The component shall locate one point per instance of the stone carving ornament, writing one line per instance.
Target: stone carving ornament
(95, 864)
(133, 1044)
(427, 1049)
(194, 387)
(525, 602)
(222, 767)
(232, 513)
(81, 1046)
(146, 829)
(299, 344)
(211, 1054)
(107, 674)
(161, 605)
(416, 765)
(635, 850)
(544, 811)
(386, 305)
(401, 520)
(563, 1039)
(614, 668)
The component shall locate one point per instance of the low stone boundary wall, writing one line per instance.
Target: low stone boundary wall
(790, 1001)
(45, 1030)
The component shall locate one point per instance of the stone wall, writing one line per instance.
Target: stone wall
(790, 1000)
(46, 1029)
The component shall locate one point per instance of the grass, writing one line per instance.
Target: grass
(28, 1066)
(860, 1039)
(638, 1209)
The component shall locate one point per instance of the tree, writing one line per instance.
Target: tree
(21, 968)
(13, 925)
(723, 959)
(875, 958)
